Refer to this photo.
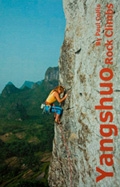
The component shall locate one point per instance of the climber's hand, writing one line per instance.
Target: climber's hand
(65, 96)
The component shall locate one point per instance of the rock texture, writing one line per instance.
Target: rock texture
(76, 147)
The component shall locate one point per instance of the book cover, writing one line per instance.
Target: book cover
(85, 148)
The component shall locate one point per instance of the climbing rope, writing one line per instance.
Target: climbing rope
(68, 154)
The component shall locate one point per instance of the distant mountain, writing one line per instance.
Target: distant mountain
(39, 82)
(10, 83)
(28, 84)
(52, 74)
(9, 89)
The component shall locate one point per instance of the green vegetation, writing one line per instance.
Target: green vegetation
(26, 136)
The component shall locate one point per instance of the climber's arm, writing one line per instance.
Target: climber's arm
(60, 100)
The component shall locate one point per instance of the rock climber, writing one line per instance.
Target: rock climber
(49, 103)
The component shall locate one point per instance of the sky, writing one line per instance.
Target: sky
(31, 35)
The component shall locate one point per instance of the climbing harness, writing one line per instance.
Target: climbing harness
(43, 106)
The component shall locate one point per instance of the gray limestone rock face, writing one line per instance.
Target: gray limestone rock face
(89, 66)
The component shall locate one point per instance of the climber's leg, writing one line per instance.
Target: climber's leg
(57, 118)
(58, 112)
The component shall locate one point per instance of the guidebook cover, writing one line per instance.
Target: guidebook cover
(74, 44)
